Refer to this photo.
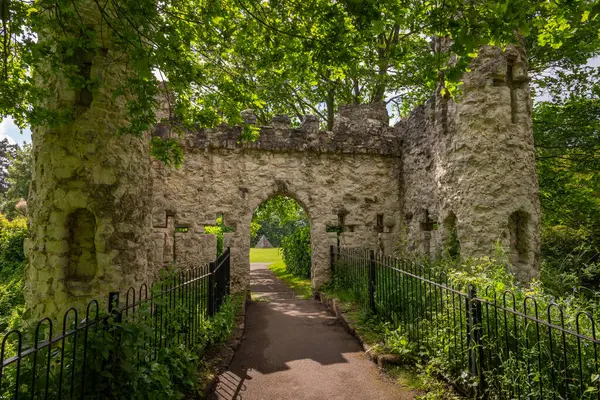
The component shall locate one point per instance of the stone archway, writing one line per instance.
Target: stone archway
(319, 272)
(328, 177)
(382, 187)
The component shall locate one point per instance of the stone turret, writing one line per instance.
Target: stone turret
(90, 199)
(469, 167)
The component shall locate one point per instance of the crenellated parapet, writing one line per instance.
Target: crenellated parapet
(357, 129)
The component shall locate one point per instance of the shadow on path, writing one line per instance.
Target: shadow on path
(294, 349)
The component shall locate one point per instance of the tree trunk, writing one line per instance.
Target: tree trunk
(356, 91)
(89, 202)
(379, 91)
(330, 103)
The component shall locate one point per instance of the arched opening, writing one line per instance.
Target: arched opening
(82, 247)
(519, 237)
(451, 239)
(280, 245)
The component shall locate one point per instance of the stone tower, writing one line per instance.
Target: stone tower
(469, 171)
(89, 200)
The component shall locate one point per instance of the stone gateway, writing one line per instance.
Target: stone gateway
(455, 176)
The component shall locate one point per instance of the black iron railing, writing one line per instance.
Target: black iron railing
(492, 342)
(88, 357)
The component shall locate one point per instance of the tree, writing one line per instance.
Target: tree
(7, 152)
(568, 145)
(567, 138)
(295, 57)
(19, 179)
(371, 51)
(277, 218)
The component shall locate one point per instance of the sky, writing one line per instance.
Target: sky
(9, 130)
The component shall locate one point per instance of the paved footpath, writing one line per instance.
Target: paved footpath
(294, 349)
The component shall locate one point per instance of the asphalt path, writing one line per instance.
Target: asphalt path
(294, 349)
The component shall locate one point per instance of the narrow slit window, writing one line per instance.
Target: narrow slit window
(519, 236)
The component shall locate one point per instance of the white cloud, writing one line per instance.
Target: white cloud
(9, 130)
(4, 130)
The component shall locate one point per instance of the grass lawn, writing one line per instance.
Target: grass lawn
(265, 255)
(299, 285)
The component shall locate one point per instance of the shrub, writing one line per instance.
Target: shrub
(523, 353)
(12, 262)
(134, 356)
(12, 236)
(296, 252)
(570, 260)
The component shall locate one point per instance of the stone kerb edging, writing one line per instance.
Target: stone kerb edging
(383, 360)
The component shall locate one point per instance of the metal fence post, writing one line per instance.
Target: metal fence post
(372, 281)
(220, 282)
(332, 261)
(117, 315)
(228, 272)
(211, 288)
(474, 333)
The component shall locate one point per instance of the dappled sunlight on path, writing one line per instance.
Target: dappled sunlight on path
(294, 349)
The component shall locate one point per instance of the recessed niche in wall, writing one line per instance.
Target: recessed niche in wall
(84, 95)
(519, 236)
(379, 223)
(82, 247)
(427, 224)
(341, 219)
(451, 241)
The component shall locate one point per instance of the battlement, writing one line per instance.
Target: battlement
(357, 129)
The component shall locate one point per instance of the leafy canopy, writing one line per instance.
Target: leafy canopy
(219, 57)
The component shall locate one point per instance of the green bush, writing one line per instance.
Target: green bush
(174, 372)
(296, 252)
(12, 235)
(570, 261)
(135, 356)
(12, 263)
(427, 324)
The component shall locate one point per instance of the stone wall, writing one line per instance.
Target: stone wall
(349, 176)
(454, 177)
